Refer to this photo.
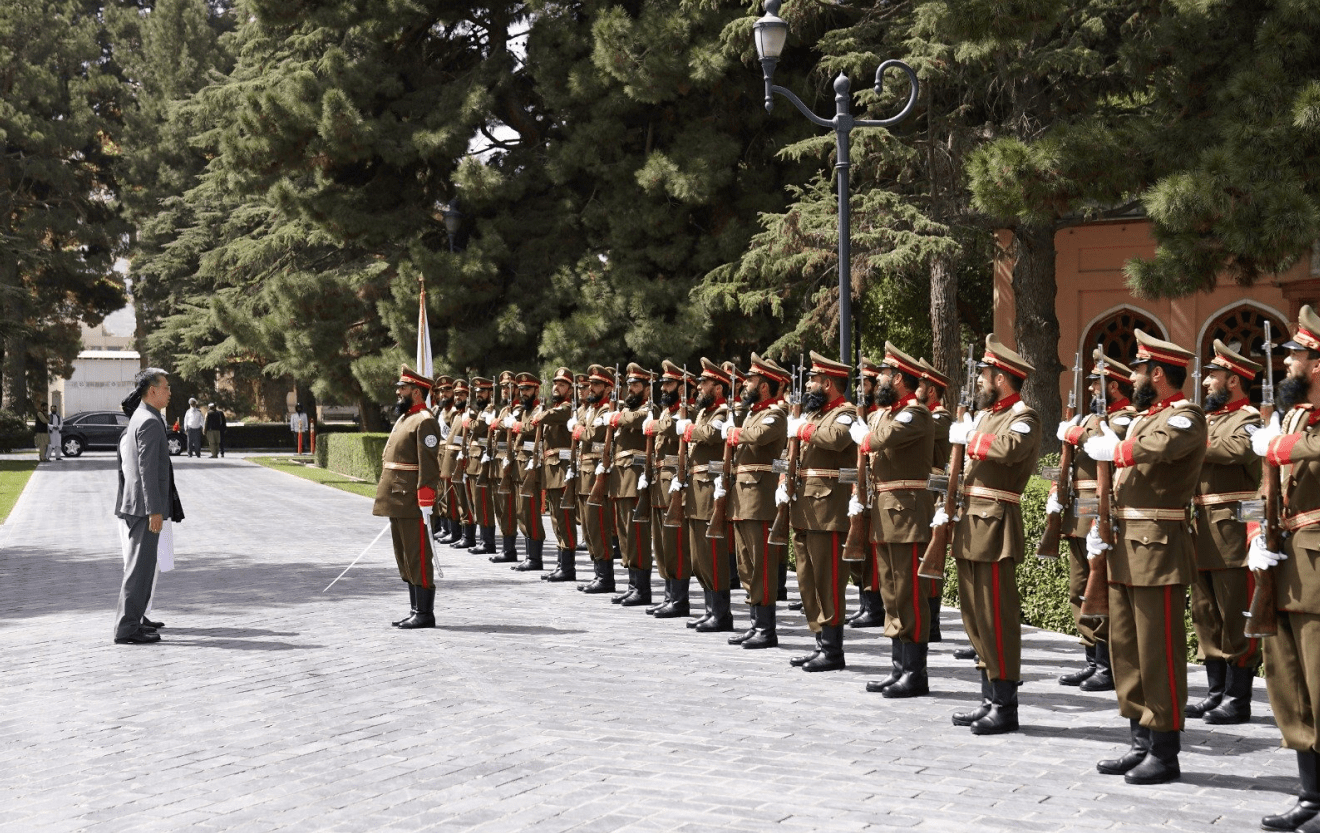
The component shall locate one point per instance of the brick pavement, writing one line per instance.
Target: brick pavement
(271, 705)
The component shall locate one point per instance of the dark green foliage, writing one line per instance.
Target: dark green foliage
(355, 455)
(14, 432)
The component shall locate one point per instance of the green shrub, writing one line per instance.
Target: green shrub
(14, 432)
(356, 455)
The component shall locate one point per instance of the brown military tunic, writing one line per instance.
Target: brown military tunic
(478, 468)
(669, 543)
(530, 491)
(506, 499)
(706, 445)
(758, 442)
(408, 481)
(898, 447)
(597, 521)
(1221, 592)
(452, 464)
(988, 541)
(1292, 657)
(865, 574)
(628, 464)
(820, 512)
(1157, 469)
(556, 441)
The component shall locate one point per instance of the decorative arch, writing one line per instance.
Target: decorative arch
(1116, 328)
(1241, 325)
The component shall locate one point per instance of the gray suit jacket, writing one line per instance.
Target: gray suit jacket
(144, 466)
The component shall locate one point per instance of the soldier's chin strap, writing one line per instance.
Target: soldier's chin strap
(359, 558)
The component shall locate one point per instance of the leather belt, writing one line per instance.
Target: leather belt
(1224, 497)
(402, 466)
(597, 448)
(1128, 513)
(1300, 520)
(670, 461)
(987, 493)
(826, 473)
(900, 486)
(748, 468)
(1086, 485)
(701, 469)
(501, 448)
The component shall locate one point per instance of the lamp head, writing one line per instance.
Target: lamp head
(453, 217)
(770, 33)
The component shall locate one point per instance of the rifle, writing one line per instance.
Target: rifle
(932, 563)
(532, 484)
(719, 512)
(600, 486)
(1095, 598)
(1063, 488)
(642, 511)
(507, 480)
(1196, 381)
(779, 530)
(1262, 618)
(859, 525)
(674, 516)
(569, 500)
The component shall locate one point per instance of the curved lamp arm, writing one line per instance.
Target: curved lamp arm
(912, 94)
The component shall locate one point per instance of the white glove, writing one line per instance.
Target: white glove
(1065, 425)
(485, 457)
(507, 422)
(426, 514)
(642, 482)
(600, 469)
(1260, 558)
(858, 432)
(488, 417)
(675, 485)
(600, 419)
(681, 426)
(531, 463)
(1052, 505)
(461, 456)
(647, 423)
(794, 425)
(781, 494)
(1260, 441)
(505, 463)
(571, 474)
(719, 486)
(941, 518)
(1094, 543)
(718, 425)
(570, 425)
(1102, 447)
(960, 431)
(855, 506)
(726, 430)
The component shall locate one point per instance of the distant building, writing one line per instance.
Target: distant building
(102, 374)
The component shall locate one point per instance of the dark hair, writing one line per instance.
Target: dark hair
(1014, 381)
(148, 378)
(909, 381)
(772, 384)
(1175, 374)
(1124, 388)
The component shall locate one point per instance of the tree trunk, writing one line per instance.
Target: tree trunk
(16, 386)
(1037, 324)
(944, 325)
(372, 418)
(15, 336)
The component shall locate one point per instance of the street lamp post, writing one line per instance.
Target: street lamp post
(453, 220)
(771, 32)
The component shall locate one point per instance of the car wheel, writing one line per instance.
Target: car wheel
(175, 445)
(72, 447)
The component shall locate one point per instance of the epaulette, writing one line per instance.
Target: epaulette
(1019, 406)
(1183, 403)
(1251, 409)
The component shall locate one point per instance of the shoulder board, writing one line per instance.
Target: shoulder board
(1184, 403)
(1019, 406)
(1251, 409)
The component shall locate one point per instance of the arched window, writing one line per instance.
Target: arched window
(1117, 332)
(1242, 328)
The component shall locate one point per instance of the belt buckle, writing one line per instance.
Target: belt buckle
(779, 466)
(1250, 511)
(1051, 473)
(847, 476)
(716, 468)
(1086, 507)
(938, 483)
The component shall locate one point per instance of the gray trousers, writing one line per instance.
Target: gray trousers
(194, 442)
(139, 574)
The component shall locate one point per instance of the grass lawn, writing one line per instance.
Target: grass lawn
(14, 476)
(317, 475)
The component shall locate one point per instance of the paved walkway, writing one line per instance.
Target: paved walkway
(272, 705)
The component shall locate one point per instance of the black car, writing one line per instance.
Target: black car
(102, 430)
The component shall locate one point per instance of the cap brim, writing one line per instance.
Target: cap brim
(1293, 345)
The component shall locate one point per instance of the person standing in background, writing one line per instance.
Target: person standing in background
(41, 432)
(215, 424)
(298, 424)
(192, 427)
(55, 422)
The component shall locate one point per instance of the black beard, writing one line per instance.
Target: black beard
(883, 395)
(446, 403)
(986, 399)
(814, 400)
(869, 400)
(705, 401)
(401, 407)
(634, 401)
(751, 397)
(669, 398)
(559, 399)
(527, 402)
(460, 404)
(1143, 395)
(482, 402)
(1215, 401)
(594, 399)
(1292, 390)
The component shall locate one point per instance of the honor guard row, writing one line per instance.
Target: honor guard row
(718, 472)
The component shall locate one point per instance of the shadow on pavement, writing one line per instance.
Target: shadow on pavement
(235, 645)
(510, 630)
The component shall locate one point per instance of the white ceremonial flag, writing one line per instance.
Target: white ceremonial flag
(423, 365)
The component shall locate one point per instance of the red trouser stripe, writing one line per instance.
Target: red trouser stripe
(1251, 641)
(999, 622)
(769, 599)
(1168, 657)
(834, 577)
(918, 601)
(421, 549)
(714, 564)
(570, 530)
(682, 556)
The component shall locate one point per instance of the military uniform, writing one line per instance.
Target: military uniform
(936, 384)
(405, 494)
(898, 444)
(501, 471)
(705, 441)
(988, 541)
(597, 521)
(480, 467)
(865, 574)
(1221, 592)
(452, 456)
(625, 470)
(528, 475)
(441, 405)
(673, 552)
(819, 514)
(757, 443)
(556, 443)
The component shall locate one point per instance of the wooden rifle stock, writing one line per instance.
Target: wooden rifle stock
(533, 481)
(642, 511)
(779, 530)
(932, 563)
(1095, 598)
(600, 486)
(674, 517)
(506, 468)
(719, 515)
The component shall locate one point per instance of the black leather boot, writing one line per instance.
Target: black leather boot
(721, 620)
(964, 653)
(604, 580)
(1135, 754)
(861, 608)
(641, 590)
(412, 605)
(914, 682)
(795, 605)
(1236, 705)
(441, 527)
(968, 718)
(798, 662)
(487, 544)
(1103, 678)
(933, 605)
(567, 569)
(1216, 676)
(679, 605)
(831, 651)
(1003, 714)
(425, 615)
(705, 617)
(1307, 808)
(632, 588)
(453, 532)
(764, 635)
(509, 548)
(873, 611)
(896, 658)
(740, 638)
(533, 561)
(1076, 677)
(781, 593)
(1160, 766)
(669, 597)
(469, 538)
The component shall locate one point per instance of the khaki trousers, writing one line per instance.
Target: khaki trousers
(758, 562)
(1079, 570)
(412, 551)
(992, 615)
(563, 521)
(1148, 653)
(597, 527)
(822, 577)
(529, 511)
(480, 499)
(1292, 678)
(710, 557)
(1220, 599)
(506, 506)
(673, 554)
(907, 613)
(634, 538)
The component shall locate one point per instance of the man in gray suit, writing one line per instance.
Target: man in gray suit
(143, 502)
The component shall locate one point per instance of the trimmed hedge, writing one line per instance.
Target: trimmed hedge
(14, 432)
(356, 455)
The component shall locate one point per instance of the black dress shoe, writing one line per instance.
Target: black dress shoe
(964, 653)
(138, 637)
(147, 623)
(795, 605)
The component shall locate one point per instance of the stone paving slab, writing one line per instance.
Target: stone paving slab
(271, 705)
